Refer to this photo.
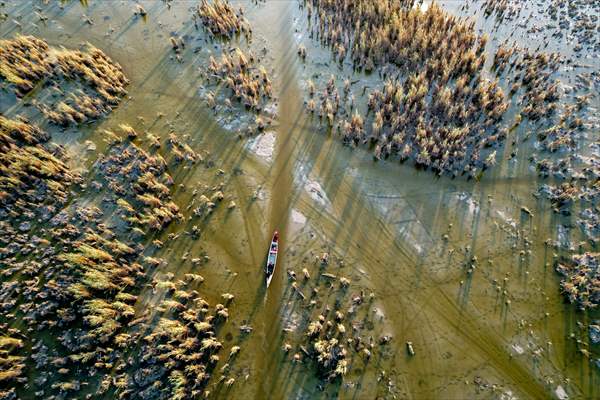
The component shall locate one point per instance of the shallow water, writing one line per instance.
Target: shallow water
(385, 220)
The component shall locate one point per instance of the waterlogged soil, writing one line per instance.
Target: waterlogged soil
(501, 331)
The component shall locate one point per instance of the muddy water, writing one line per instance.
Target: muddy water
(386, 221)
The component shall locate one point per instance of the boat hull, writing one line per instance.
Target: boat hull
(272, 259)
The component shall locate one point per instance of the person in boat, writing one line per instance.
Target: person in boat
(270, 268)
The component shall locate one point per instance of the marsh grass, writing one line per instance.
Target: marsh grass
(445, 117)
(93, 81)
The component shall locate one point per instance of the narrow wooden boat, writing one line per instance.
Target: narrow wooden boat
(272, 258)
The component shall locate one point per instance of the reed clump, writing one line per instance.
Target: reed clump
(221, 19)
(178, 340)
(448, 130)
(559, 118)
(32, 174)
(374, 33)
(246, 83)
(336, 330)
(24, 61)
(530, 75)
(12, 364)
(19, 130)
(100, 85)
(96, 69)
(181, 150)
(559, 141)
(140, 182)
(578, 196)
(81, 278)
(88, 83)
(446, 117)
(580, 282)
